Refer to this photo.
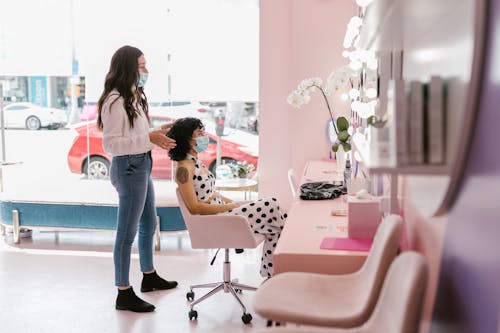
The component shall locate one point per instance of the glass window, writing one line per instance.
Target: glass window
(16, 107)
(60, 146)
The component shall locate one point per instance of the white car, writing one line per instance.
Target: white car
(33, 117)
(178, 109)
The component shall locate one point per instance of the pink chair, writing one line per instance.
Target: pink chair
(214, 232)
(399, 306)
(292, 183)
(332, 300)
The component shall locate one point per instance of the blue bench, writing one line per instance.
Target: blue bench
(59, 216)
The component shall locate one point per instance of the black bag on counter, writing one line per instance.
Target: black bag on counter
(320, 191)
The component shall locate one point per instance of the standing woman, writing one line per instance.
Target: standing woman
(123, 118)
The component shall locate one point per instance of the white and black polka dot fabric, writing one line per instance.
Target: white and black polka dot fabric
(264, 215)
(266, 218)
(204, 180)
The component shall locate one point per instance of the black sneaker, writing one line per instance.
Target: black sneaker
(153, 281)
(238, 251)
(128, 300)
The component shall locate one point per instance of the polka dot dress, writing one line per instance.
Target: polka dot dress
(266, 218)
(264, 215)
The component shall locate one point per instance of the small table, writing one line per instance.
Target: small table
(237, 184)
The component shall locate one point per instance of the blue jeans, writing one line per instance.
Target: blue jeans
(131, 176)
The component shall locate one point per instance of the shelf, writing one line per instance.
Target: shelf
(361, 146)
(428, 170)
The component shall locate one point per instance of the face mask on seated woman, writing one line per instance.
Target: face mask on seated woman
(201, 144)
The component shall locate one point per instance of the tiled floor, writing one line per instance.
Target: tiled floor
(63, 282)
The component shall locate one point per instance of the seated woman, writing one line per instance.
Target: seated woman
(196, 184)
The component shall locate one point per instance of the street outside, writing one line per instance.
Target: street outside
(36, 165)
(36, 168)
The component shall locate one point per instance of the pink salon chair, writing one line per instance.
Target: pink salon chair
(214, 232)
(399, 306)
(292, 183)
(332, 300)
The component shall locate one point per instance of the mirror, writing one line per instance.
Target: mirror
(442, 39)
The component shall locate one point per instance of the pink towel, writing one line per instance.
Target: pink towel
(349, 244)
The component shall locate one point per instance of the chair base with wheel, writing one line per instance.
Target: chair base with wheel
(227, 285)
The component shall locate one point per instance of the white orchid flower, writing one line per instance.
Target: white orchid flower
(317, 81)
(295, 100)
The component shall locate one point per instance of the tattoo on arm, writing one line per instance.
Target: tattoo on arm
(182, 175)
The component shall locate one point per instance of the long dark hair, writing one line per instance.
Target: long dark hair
(182, 132)
(123, 74)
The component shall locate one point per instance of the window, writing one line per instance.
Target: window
(62, 151)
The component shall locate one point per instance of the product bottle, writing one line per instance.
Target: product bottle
(347, 172)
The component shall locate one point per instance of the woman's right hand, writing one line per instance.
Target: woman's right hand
(160, 139)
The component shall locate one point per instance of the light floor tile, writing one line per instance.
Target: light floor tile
(63, 282)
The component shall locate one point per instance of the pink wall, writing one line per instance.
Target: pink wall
(298, 39)
(426, 235)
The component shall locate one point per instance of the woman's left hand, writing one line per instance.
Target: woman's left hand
(160, 139)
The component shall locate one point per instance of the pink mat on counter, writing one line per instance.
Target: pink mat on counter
(349, 244)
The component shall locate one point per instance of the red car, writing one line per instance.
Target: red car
(88, 156)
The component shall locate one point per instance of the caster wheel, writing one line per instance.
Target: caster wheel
(239, 291)
(246, 318)
(190, 296)
(194, 315)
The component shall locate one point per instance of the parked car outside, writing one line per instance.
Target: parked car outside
(178, 109)
(87, 156)
(33, 117)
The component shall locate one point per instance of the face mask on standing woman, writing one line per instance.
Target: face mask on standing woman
(141, 81)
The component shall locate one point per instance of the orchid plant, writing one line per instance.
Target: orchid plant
(301, 96)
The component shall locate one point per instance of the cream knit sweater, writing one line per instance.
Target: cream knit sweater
(118, 137)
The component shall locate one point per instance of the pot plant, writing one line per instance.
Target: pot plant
(241, 169)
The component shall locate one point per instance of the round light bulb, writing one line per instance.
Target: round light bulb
(355, 65)
(372, 64)
(363, 3)
(357, 156)
(371, 93)
(356, 106)
(354, 93)
(350, 130)
(366, 110)
(355, 22)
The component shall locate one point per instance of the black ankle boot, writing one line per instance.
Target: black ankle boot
(153, 281)
(128, 300)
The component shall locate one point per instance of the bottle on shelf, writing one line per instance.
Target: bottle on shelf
(347, 171)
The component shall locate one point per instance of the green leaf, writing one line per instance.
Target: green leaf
(343, 136)
(370, 120)
(335, 147)
(342, 124)
(346, 146)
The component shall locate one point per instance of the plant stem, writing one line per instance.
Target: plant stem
(328, 106)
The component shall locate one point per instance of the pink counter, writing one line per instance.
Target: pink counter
(308, 223)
